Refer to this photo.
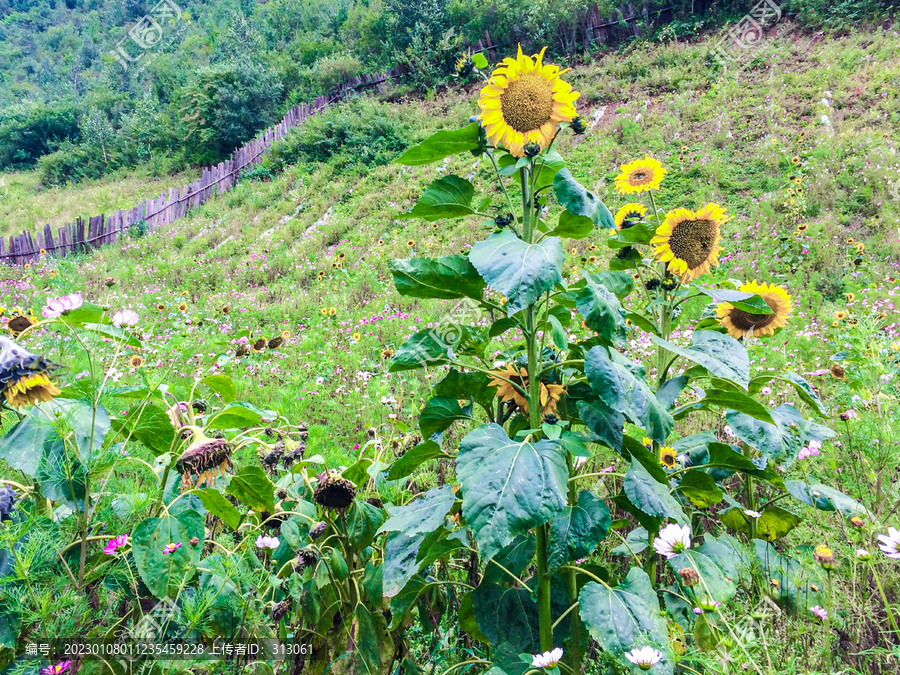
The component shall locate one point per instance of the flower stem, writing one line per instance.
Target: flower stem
(887, 605)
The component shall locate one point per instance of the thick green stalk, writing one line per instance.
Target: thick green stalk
(572, 582)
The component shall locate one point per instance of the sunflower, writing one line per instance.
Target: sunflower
(689, 241)
(226, 310)
(840, 315)
(381, 242)
(285, 335)
(860, 247)
(640, 175)
(18, 323)
(647, 442)
(357, 337)
(740, 323)
(332, 311)
(574, 251)
(798, 180)
(411, 243)
(387, 353)
(667, 457)
(630, 215)
(324, 311)
(850, 240)
(549, 393)
(524, 101)
(802, 227)
(135, 361)
(161, 307)
(24, 377)
(795, 160)
(835, 324)
(182, 307)
(850, 296)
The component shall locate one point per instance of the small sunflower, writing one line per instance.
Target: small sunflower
(647, 442)
(18, 322)
(850, 296)
(27, 266)
(324, 311)
(136, 361)
(689, 241)
(411, 243)
(524, 102)
(860, 247)
(639, 176)
(744, 324)
(285, 335)
(387, 353)
(161, 307)
(592, 247)
(798, 180)
(182, 307)
(667, 457)
(574, 251)
(321, 275)
(850, 240)
(357, 337)
(837, 371)
(226, 310)
(795, 160)
(840, 315)
(835, 324)
(802, 227)
(332, 311)
(381, 242)
(630, 215)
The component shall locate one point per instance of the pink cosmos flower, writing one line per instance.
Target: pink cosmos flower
(60, 667)
(125, 317)
(115, 543)
(820, 612)
(58, 306)
(171, 548)
(267, 542)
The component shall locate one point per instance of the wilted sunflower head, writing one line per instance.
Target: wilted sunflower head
(837, 371)
(205, 458)
(667, 457)
(639, 176)
(387, 353)
(19, 323)
(524, 101)
(259, 344)
(333, 491)
(630, 215)
(24, 377)
(511, 390)
(689, 241)
(226, 310)
(740, 323)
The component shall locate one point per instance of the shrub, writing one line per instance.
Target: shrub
(28, 131)
(71, 164)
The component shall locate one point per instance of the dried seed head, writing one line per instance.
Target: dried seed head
(689, 576)
(306, 557)
(206, 459)
(334, 492)
(318, 530)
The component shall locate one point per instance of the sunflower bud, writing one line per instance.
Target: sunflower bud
(531, 149)
(318, 530)
(375, 501)
(306, 557)
(194, 541)
(333, 491)
(504, 220)
(7, 502)
(200, 406)
(550, 418)
(280, 610)
(651, 284)
(668, 283)
(463, 66)
(579, 124)
(623, 253)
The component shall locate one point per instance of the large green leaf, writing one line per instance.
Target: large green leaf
(400, 564)
(164, 573)
(253, 488)
(413, 458)
(623, 392)
(518, 270)
(506, 614)
(508, 487)
(440, 413)
(625, 617)
(606, 423)
(422, 515)
(715, 582)
(701, 489)
(773, 523)
(574, 197)
(651, 496)
(779, 442)
(447, 197)
(720, 398)
(721, 355)
(449, 277)
(215, 502)
(803, 388)
(63, 477)
(576, 531)
(572, 226)
(473, 385)
(440, 145)
(825, 498)
(432, 346)
(239, 415)
(511, 559)
(221, 385)
(722, 456)
(748, 302)
(602, 311)
(150, 425)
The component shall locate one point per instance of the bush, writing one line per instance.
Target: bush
(361, 132)
(71, 164)
(28, 131)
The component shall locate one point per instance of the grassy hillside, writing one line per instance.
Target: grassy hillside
(800, 147)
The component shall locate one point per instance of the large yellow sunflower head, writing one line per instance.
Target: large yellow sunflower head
(524, 101)
(505, 390)
(629, 215)
(689, 241)
(740, 323)
(30, 389)
(640, 175)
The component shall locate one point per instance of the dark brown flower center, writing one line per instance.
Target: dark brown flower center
(527, 103)
(745, 321)
(693, 241)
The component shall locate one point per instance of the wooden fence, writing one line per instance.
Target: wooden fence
(93, 232)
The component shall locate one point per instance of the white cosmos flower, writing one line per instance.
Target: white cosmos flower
(752, 513)
(125, 317)
(547, 659)
(644, 657)
(890, 543)
(672, 540)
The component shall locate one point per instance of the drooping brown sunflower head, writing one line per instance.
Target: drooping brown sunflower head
(19, 323)
(689, 241)
(203, 461)
(275, 342)
(259, 344)
(24, 377)
(333, 491)
(306, 557)
(741, 323)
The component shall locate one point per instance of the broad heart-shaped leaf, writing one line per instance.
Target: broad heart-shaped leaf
(473, 385)
(722, 456)
(447, 197)
(721, 355)
(651, 496)
(604, 422)
(434, 346)
(572, 226)
(715, 582)
(619, 389)
(22, 446)
(215, 502)
(720, 398)
(221, 385)
(574, 197)
(439, 413)
(150, 425)
(63, 477)
(520, 271)
(413, 458)
(626, 617)
(440, 145)
(507, 614)
(602, 311)
(803, 388)
(825, 498)
(400, 563)
(774, 522)
(701, 489)
(508, 487)
(423, 514)
(252, 487)
(448, 277)
(513, 559)
(748, 302)
(163, 573)
(779, 442)
(239, 415)
(576, 531)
